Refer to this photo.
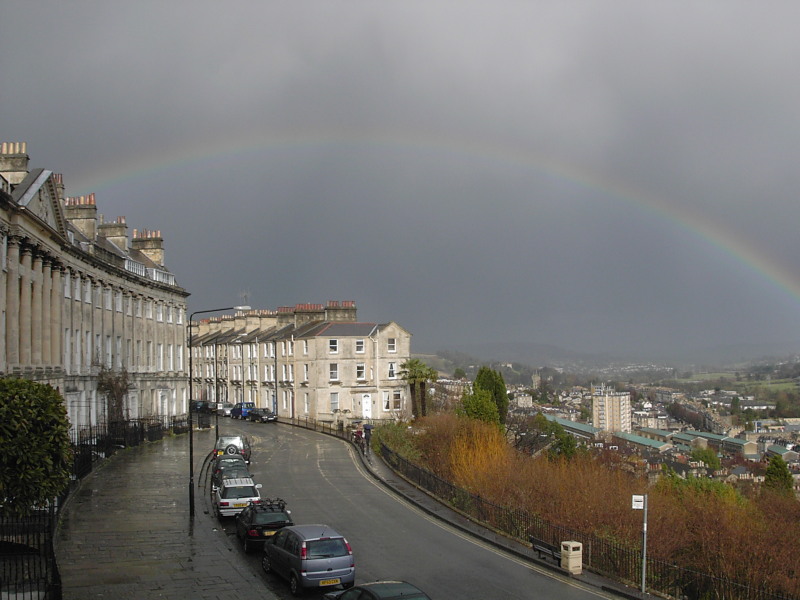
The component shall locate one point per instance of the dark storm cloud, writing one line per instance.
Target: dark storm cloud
(547, 172)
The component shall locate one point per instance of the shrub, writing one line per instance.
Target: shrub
(34, 445)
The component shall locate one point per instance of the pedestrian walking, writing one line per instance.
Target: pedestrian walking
(367, 436)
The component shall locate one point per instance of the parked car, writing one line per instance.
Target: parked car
(227, 466)
(379, 590)
(263, 415)
(233, 444)
(310, 556)
(241, 409)
(201, 406)
(258, 522)
(224, 409)
(234, 495)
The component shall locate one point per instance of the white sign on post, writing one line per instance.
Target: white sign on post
(637, 502)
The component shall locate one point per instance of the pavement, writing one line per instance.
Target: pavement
(117, 540)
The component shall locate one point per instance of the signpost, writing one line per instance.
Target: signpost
(640, 503)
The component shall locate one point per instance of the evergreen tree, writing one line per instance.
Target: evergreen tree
(479, 405)
(778, 479)
(492, 381)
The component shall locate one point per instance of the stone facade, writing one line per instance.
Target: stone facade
(77, 297)
(309, 360)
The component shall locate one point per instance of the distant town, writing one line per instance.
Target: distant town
(724, 425)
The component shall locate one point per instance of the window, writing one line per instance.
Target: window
(359, 346)
(118, 301)
(148, 309)
(305, 372)
(305, 347)
(333, 346)
(334, 372)
(129, 306)
(179, 316)
(138, 307)
(107, 299)
(291, 348)
(334, 401)
(160, 356)
(87, 291)
(306, 403)
(169, 314)
(67, 288)
(159, 312)
(391, 345)
(392, 370)
(391, 400)
(361, 371)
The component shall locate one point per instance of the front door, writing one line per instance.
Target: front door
(366, 406)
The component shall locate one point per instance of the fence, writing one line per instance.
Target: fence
(603, 556)
(28, 569)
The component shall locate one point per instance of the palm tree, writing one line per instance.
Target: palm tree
(418, 374)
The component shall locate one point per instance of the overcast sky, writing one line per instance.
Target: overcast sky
(602, 176)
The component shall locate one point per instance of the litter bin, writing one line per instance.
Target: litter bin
(203, 420)
(572, 557)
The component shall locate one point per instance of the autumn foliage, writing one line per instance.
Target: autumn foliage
(700, 524)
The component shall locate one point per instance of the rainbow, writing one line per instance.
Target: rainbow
(705, 229)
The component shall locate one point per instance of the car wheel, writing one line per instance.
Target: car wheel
(294, 585)
(266, 564)
(230, 449)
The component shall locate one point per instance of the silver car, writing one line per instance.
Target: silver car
(224, 409)
(310, 556)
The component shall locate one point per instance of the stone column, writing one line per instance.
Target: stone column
(12, 303)
(36, 309)
(56, 312)
(47, 317)
(25, 329)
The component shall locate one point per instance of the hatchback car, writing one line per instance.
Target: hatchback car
(224, 409)
(234, 495)
(310, 556)
(241, 409)
(262, 415)
(227, 466)
(258, 522)
(380, 590)
(233, 444)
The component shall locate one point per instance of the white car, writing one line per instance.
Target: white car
(234, 495)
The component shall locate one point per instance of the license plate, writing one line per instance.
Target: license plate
(268, 533)
(330, 581)
(240, 505)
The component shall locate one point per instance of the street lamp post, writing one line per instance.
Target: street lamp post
(191, 399)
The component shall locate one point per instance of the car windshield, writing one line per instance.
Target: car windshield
(240, 491)
(265, 518)
(326, 548)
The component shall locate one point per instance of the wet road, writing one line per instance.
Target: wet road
(126, 533)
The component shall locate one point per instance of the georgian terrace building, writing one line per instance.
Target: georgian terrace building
(78, 296)
(308, 361)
